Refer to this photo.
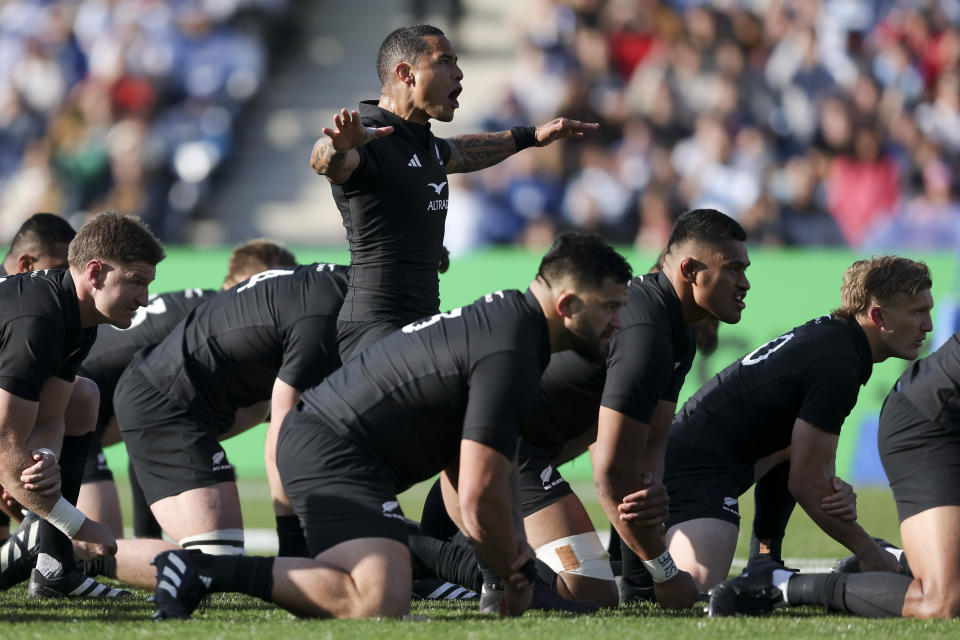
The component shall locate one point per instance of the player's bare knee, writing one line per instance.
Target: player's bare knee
(80, 416)
(603, 592)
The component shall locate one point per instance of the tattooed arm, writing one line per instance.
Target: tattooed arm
(481, 150)
(335, 155)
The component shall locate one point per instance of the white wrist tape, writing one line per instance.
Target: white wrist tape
(66, 517)
(48, 452)
(662, 568)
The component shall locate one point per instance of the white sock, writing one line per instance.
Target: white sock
(896, 553)
(780, 579)
(48, 565)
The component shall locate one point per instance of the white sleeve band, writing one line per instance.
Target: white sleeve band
(662, 568)
(66, 517)
(47, 451)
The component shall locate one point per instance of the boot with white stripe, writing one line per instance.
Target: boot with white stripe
(19, 553)
(180, 586)
(74, 584)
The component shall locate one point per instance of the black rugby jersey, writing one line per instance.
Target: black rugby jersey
(932, 384)
(470, 373)
(40, 331)
(115, 347)
(394, 207)
(648, 360)
(280, 323)
(813, 372)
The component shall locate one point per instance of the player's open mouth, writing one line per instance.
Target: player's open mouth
(739, 300)
(453, 97)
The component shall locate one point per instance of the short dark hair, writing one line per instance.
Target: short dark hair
(585, 256)
(708, 226)
(40, 232)
(251, 256)
(116, 237)
(880, 279)
(403, 44)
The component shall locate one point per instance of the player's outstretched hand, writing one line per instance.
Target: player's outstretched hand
(350, 132)
(842, 503)
(679, 592)
(94, 540)
(43, 476)
(647, 507)
(563, 128)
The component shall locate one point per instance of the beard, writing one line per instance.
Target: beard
(593, 351)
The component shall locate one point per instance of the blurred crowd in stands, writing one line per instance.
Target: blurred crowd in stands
(129, 105)
(823, 123)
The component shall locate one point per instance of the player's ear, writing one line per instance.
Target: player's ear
(95, 273)
(569, 304)
(689, 267)
(404, 73)
(875, 313)
(25, 263)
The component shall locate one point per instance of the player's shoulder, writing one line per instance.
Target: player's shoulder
(650, 302)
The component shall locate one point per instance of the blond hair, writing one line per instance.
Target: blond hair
(879, 280)
(256, 256)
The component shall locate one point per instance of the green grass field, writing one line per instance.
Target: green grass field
(238, 617)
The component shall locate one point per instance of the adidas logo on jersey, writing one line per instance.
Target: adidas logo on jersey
(414, 161)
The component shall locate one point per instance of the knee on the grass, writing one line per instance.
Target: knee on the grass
(583, 565)
(940, 602)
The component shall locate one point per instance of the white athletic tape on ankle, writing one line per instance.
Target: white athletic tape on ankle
(582, 554)
(780, 578)
(223, 542)
(66, 517)
(662, 568)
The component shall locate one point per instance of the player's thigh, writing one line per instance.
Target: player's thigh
(340, 490)
(199, 511)
(703, 547)
(931, 540)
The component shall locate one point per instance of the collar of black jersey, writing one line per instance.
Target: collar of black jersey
(369, 110)
(3, 272)
(71, 302)
(544, 347)
(863, 349)
(674, 307)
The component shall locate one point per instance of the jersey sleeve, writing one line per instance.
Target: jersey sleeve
(368, 170)
(504, 390)
(309, 351)
(640, 372)
(30, 352)
(830, 388)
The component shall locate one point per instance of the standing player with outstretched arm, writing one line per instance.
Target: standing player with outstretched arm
(389, 180)
(449, 393)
